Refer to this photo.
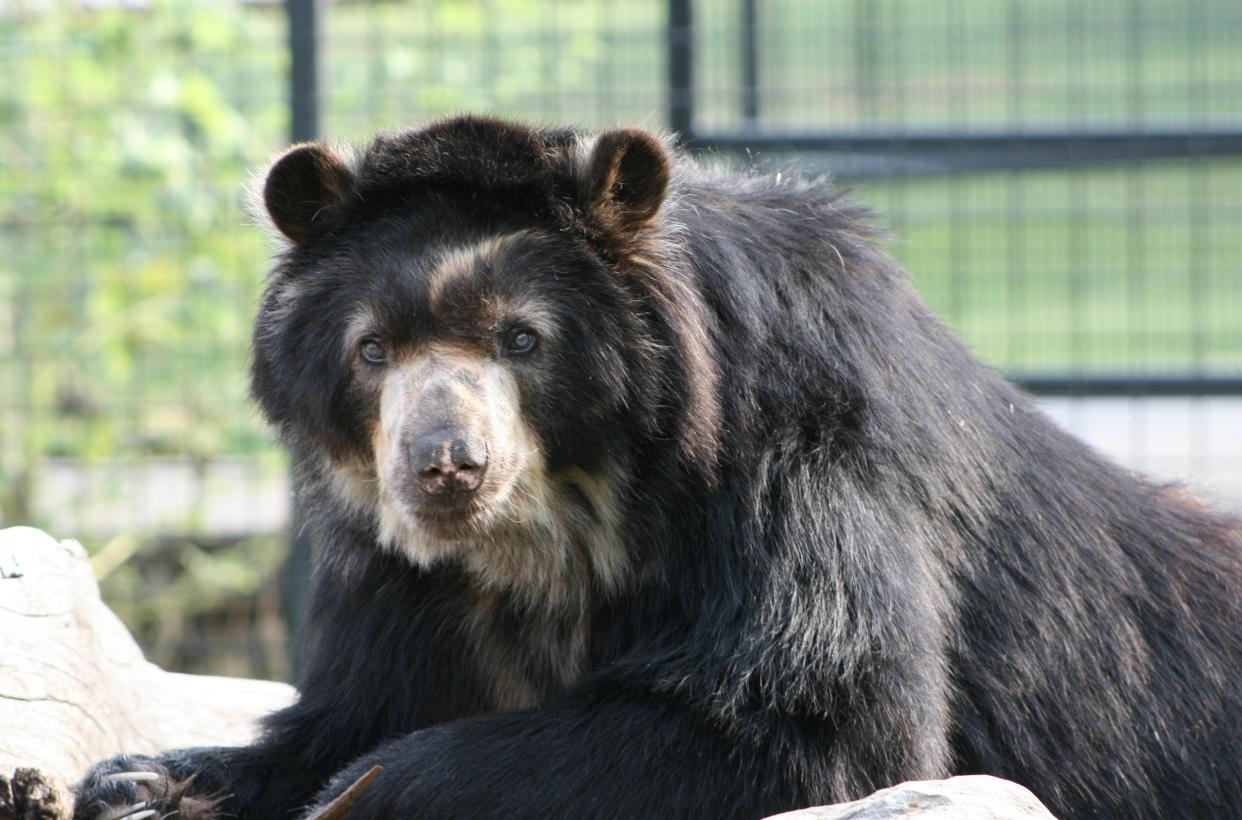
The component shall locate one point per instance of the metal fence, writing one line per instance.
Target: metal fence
(1096, 114)
(1062, 179)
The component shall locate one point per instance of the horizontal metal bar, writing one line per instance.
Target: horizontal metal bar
(873, 152)
(1120, 385)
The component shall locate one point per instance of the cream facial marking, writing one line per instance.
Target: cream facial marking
(549, 539)
(458, 262)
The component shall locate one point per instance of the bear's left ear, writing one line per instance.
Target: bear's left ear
(626, 179)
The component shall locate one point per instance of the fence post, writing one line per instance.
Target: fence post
(750, 64)
(305, 19)
(681, 69)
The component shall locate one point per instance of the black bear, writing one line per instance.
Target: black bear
(645, 490)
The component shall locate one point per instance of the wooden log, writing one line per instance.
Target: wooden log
(75, 688)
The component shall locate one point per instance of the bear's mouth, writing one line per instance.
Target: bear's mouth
(449, 518)
(452, 519)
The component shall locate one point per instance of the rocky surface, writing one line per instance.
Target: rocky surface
(973, 797)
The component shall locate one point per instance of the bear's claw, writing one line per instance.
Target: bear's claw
(137, 777)
(138, 811)
(133, 811)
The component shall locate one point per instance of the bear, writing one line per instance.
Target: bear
(642, 488)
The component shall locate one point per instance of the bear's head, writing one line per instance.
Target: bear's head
(483, 335)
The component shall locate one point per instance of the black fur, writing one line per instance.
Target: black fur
(857, 555)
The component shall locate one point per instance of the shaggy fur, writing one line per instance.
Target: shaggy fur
(781, 539)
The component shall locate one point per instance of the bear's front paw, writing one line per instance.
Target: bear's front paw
(131, 787)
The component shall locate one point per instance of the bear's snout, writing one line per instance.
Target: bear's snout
(447, 462)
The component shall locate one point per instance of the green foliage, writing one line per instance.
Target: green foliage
(130, 273)
(203, 606)
(586, 62)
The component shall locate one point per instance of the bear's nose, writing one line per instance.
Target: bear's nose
(448, 463)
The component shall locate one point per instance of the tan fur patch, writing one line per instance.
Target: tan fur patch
(459, 262)
(500, 661)
(549, 657)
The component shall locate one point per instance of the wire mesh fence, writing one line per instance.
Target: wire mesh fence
(1063, 180)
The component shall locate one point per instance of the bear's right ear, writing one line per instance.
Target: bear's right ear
(626, 179)
(303, 188)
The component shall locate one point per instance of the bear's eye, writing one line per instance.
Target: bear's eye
(373, 352)
(521, 342)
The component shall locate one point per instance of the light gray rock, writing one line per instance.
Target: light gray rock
(972, 797)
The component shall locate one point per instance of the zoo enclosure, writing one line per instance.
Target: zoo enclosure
(1063, 179)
